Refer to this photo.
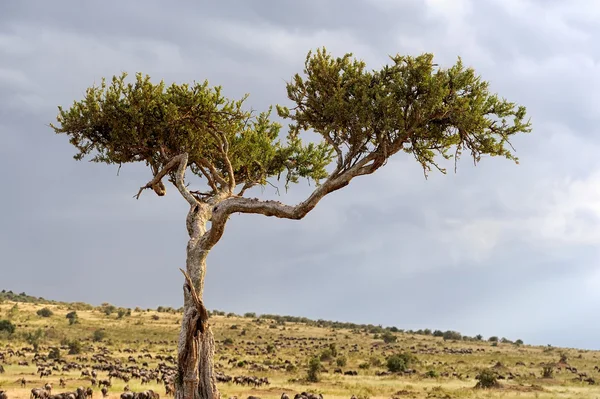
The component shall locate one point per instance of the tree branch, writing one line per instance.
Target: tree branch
(221, 212)
(179, 161)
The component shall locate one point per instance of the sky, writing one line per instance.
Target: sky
(495, 249)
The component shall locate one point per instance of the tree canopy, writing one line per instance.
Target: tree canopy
(363, 116)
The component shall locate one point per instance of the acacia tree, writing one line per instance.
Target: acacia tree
(213, 150)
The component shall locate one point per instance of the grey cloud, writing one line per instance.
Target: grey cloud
(481, 251)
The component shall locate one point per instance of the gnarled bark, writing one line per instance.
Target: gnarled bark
(196, 348)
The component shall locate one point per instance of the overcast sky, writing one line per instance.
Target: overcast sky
(497, 249)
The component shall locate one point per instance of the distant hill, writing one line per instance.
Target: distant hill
(23, 297)
(373, 329)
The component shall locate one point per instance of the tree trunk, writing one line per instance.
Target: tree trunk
(195, 379)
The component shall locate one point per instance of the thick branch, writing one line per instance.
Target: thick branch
(179, 161)
(231, 205)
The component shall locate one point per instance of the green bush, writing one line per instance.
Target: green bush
(326, 355)
(54, 353)
(74, 347)
(547, 371)
(364, 366)
(452, 336)
(388, 337)
(314, 370)
(35, 338)
(44, 312)
(98, 335)
(228, 341)
(7, 325)
(400, 362)
(121, 313)
(250, 315)
(493, 339)
(438, 333)
(341, 361)
(432, 374)
(486, 379)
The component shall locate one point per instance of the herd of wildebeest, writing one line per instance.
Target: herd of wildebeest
(100, 367)
(114, 368)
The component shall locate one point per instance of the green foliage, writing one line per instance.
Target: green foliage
(22, 297)
(547, 371)
(341, 361)
(250, 315)
(451, 336)
(364, 366)
(396, 363)
(54, 353)
(479, 337)
(432, 374)
(493, 339)
(519, 342)
(35, 338)
(409, 106)
(228, 341)
(74, 347)
(7, 325)
(73, 318)
(400, 362)
(270, 348)
(314, 370)
(44, 312)
(438, 333)
(121, 122)
(333, 349)
(486, 379)
(108, 309)
(98, 335)
(362, 116)
(326, 355)
(388, 337)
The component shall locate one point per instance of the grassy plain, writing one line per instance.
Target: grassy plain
(281, 351)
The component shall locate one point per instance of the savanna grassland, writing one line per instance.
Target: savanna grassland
(139, 342)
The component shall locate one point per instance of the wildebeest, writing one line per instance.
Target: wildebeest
(284, 396)
(104, 391)
(1, 370)
(3, 395)
(89, 392)
(39, 393)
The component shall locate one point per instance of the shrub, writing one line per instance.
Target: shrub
(54, 353)
(432, 374)
(487, 379)
(98, 335)
(44, 312)
(400, 362)
(438, 333)
(493, 339)
(376, 361)
(7, 325)
(547, 371)
(270, 348)
(341, 361)
(333, 349)
(364, 366)
(326, 355)
(388, 337)
(250, 315)
(519, 342)
(35, 338)
(451, 336)
(314, 369)
(108, 309)
(121, 313)
(72, 315)
(228, 341)
(155, 317)
(74, 347)
(479, 337)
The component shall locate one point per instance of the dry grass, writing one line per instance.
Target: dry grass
(292, 342)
